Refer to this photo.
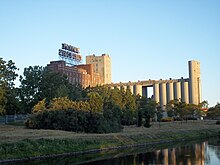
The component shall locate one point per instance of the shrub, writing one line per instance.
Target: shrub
(190, 118)
(61, 103)
(77, 121)
(167, 119)
(178, 119)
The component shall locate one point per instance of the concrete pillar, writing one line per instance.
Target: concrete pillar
(170, 95)
(156, 93)
(177, 91)
(195, 82)
(185, 91)
(124, 88)
(138, 89)
(163, 95)
(131, 88)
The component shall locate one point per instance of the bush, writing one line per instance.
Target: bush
(190, 118)
(178, 119)
(77, 121)
(167, 119)
(218, 122)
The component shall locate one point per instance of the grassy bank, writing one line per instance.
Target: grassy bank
(18, 142)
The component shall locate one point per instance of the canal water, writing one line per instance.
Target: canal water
(186, 153)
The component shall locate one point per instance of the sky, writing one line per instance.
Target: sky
(146, 39)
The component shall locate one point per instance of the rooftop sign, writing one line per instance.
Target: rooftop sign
(70, 53)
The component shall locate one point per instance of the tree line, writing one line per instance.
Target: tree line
(42, 90)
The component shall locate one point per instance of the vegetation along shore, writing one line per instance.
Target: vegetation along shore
(18, 143)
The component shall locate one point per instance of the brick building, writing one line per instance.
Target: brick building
(83, 75)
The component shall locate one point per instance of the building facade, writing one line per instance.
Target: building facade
(102, 66)
(82, 75)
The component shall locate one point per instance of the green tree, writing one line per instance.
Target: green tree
(202, 109)
(54, 84)
(146, 109)
(38, 83)
(13, 105)
(62, 91)
(214, 112)
(170, 108)
(159, 113)
(173, 108)
(129, 107)
(182, 111)
(95, 102)
(7, 73)
(177, 109)
(3, 101)
(129, 100)
(117, 96)
(30, 86)
(7, 77)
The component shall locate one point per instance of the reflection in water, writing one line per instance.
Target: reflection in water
(203, 153)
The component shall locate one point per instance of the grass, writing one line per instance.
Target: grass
(19, 142)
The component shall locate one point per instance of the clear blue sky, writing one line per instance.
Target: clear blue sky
(146, 39)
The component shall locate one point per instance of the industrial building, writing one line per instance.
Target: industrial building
(102, 65)
(82, 75)
(97, 71)
(187, 90)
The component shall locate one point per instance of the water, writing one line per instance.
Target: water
(187, 153)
